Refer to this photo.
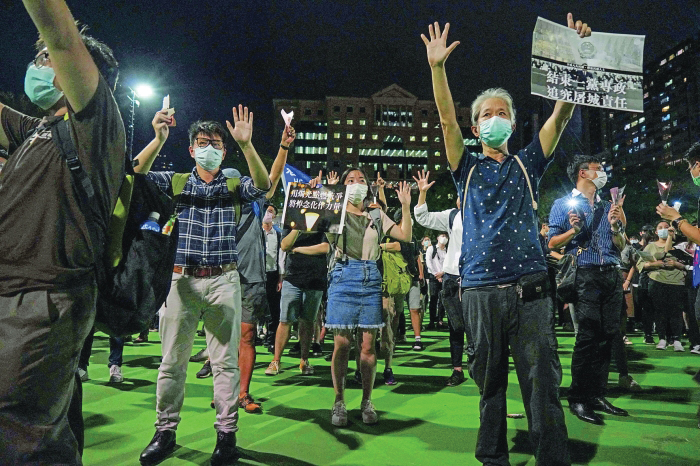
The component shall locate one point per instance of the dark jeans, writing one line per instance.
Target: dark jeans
(499, 319)
(436, 309)
(273, 300)
(643, 307)
(116, 351)
(42, 333)
(84, 360)
(599, 300)
(669, 302)
(455, 319)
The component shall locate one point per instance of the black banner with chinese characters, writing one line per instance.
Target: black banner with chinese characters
(320, 208)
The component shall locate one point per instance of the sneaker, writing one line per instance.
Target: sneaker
(248, 404)
(696, 349)
(649, 340)
(455, 379)
(389, 377)
(678, 347)
(201, 356)
(626, 340)
(305, 367)
(83, 374)
(628, 383)
(418, 345)
(661, 345)
(295, 350)
(339, 418)
(205, 371)
(316, 350)
(141, 339)
(115, 374)
(273, 368)
(369, 415)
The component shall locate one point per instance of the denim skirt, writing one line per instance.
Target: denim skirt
(354, 296)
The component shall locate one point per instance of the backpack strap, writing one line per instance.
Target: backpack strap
(529, 183)
(375, 216)
(233, 184)
(178, 182)
(466, 190)
(453, 214)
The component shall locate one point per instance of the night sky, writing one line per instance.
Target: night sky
(212, 55)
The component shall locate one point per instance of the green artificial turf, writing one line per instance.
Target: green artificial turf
(421, 420)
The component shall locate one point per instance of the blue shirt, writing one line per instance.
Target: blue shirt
(601, 249)
(207, 218)
(500, 232)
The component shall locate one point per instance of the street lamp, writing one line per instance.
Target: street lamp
(142, 91)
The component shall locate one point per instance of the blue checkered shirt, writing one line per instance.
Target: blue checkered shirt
(207, 218)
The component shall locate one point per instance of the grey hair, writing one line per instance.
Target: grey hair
(494, 92)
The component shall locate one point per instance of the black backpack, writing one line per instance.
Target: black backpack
(133, 267)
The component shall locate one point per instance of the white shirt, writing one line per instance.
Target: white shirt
(271, 247)
(440, 221)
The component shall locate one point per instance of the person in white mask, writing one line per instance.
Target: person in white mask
(354, 287)
(205, 281)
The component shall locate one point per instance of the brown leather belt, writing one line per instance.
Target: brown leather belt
(213, 271)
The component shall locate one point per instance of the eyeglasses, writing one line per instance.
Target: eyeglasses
(41, 61)
(215, 143)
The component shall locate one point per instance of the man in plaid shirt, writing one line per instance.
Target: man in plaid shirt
(205, 280)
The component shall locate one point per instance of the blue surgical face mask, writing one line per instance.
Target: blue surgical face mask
(38, 85)
(208, 158)
(663, 233)
(495, 131)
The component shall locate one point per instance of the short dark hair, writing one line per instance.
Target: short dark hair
(693, 154)
(271, 205)
(101, 54)
(209, 128)
(579, 162)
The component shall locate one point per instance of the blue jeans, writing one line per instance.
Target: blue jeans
(354, 296)
(116, 351)
(298, 303)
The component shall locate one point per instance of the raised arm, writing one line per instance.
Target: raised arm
(76, 72)
(242, 132)
(669, 213)
(439, 221)
(150, 152)
(380, 189)
(288, 137)
(437, 54)
(554, 126)
(404, 232)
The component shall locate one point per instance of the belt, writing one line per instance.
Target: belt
(212, 271)
(600, 268)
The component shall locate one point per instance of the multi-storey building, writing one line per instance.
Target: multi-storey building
(163, 163)
(391, 132)
(671, 119)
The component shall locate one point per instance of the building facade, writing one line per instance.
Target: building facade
(391, 132)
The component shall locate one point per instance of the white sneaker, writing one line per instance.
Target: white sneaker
(627, 341)
(305, 367)
(696, 349)
(661, 345)
(678, 346)
(83, 374)
(369, 415)
(115, 374)
(340, 414)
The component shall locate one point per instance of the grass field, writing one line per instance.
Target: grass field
(421, 420)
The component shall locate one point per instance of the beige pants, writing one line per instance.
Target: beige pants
(217, 301)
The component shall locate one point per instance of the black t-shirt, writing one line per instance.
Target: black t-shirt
(410, 252)
(305, 271)
(44, 237)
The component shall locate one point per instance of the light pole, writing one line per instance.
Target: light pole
(142, 91)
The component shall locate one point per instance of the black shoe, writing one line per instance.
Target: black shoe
(225, 451)
(585, 413)
(601, 404)
(162, 444)
(417, 345)
(431, 326)
(295, 350)
(649, 340)
(316, 350)
(205, 371)
(455, 379)
(201, 356)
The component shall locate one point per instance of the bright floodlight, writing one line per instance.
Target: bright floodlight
(144, 91)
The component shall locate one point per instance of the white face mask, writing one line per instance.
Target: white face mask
(442, 240)
(600, 180)
(357, 193)
(663, 233)
(634, 241)
(208, 158)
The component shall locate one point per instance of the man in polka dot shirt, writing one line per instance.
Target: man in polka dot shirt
(502, 266)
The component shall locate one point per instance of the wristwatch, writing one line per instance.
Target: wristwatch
(620, 229)
(677, 223)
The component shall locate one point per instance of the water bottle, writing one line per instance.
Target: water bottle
(152, 222)
(168, 227)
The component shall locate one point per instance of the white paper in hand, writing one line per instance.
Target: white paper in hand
(166, 106)
(287, 118)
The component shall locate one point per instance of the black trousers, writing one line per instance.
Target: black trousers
(643, 307)
(599, 300)
(670, 302)
(273, 300)
(498, 320)
(435, 308)
(459, 328)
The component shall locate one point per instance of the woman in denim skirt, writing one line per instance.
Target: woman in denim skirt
(354, 288)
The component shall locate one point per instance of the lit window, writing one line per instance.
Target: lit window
(336, 135)
(672, 57)
(424, 138)
(348, 150)
(298, 150)
(436, 153)
(437, 138)
(666, 109)
(336, 121)
(308, 165)
(642, 120)
(362, 136)
(634, 123)
(670, 81)
(363, 122)
(627, 126)
(437, 167)
(635, 140)
(437, 125)
(616, 147)
(424, 124)
(348, 136)
(375, 137)
(663, 62)
(412, 138)
(336, 150)
(646, 95)
(348, 122)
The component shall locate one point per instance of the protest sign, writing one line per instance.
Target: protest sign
(291, 174)
(318, 208)
(603, 70)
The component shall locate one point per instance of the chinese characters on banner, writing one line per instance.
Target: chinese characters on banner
(314, 209)
(603, 70)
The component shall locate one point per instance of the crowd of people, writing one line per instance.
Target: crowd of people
(492, 270)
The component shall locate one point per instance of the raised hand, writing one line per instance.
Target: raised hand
(422, 181)
(667, 212)
(581, 28)
(242, 128)
(160, 125)
(437, 45)
(380, 183)
(316, 181)
(404, 193)
(332, 177)
(288, 136)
